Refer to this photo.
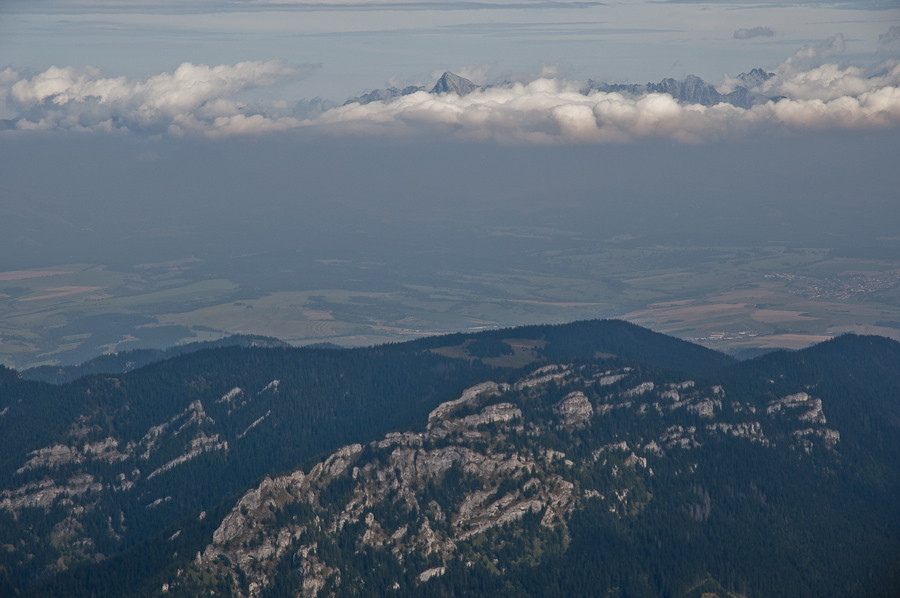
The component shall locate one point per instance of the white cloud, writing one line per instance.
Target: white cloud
(804, 76)
(191, 97)
(553, 110)
(812, 93)
(809, 55)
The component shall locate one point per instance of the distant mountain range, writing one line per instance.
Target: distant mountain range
(589, 459)
(690, 90)
(694, 90)
(448, 83)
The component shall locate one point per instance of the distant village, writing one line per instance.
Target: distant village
(839, 287)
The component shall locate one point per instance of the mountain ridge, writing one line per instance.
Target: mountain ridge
(119, 461)
(690, 90)
(125, 361)
(503, 484)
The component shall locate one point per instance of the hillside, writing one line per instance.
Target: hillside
(573, 443)
(119, 363)
(92, 467)
(579, 480)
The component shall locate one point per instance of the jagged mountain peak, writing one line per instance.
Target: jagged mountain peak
(452, 83)
(384, 95)
(693, 90)
(754, 78)
(690, 90)
(448, 83)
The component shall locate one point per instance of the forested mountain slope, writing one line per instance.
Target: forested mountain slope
(641, 462)
(91, 467)
(592, 479)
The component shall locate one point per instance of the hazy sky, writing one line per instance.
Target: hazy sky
(215, 132)
(218, 68)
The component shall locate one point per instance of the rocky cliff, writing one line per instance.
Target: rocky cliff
(492, 479)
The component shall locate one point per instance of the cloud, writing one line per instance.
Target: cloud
(193, 97)
(806, 75)
(8, 77)
(555, 111)
(809, 55)
(808, 91)
(541, 111)
(755, 32)
(890, 36)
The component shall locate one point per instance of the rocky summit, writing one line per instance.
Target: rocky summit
(452, 83)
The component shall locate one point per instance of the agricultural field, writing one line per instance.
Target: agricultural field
(729, 298)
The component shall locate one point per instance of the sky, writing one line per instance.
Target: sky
(221, 68)
(149, 131)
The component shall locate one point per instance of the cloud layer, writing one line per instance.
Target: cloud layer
(809, 93)
(193, 98)
(550, 110)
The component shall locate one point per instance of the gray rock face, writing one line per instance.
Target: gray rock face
(691, 90)
(383, 95)
(754, 78)
(485, 460)
(575, 409)
(468, 396)
(249, 542)
(694, 90)
(744, 98)
(450, 83)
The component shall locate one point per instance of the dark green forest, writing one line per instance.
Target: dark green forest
(130, 513)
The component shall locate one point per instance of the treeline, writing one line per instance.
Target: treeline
(126, 361)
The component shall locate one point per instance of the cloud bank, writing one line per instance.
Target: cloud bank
(193, 98)
(807, 92)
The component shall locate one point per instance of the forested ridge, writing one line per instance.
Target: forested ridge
(126, 361)
(111, 484)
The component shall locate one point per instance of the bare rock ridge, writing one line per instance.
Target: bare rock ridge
(694, 90)
(450, 83)
(465, 487)
(383, 95)
(754, 78)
